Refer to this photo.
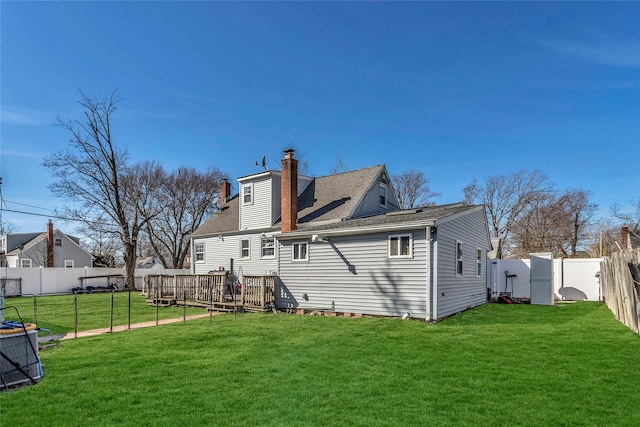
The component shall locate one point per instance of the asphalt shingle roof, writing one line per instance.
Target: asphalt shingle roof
(424, 215)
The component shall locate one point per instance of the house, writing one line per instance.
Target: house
(149, 262)
(52, 248)
(341, 243)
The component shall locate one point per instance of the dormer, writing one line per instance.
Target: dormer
(260, 196)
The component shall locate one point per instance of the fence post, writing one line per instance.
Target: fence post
(111, 315)
(35, 309)
(209, 281)
(75, 315)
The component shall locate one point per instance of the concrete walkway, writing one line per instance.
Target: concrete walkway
(120, 328)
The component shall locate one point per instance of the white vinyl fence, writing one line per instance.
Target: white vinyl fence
(37, 281)
(574, 279)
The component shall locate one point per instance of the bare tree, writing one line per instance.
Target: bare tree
(577, 213)
(6, 227)
(412, 189)
(94, 173)
(189, 197)
(554, 223)
(507, 197)
(338, 166)
(603, 239)
(631, 218)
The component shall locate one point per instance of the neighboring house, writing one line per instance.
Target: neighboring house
(149, 262)
(341, 243)
(52, 248)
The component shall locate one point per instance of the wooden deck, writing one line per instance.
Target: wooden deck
(217, 292)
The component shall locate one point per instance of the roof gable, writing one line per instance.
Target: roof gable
(336, 197)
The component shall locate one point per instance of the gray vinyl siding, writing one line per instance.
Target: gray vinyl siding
(370, 204)
(380, 286)
(457, 293)
(256, 215)
(218, 253)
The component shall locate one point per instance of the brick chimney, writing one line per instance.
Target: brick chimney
(289, 192)
(624, 237)
(50, 244)
(225, 191)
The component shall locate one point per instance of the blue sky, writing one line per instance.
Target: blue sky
(457, 90)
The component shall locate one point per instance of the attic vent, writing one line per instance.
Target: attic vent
(224, 208)
(405, 212)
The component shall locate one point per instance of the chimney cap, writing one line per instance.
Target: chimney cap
(288, 153)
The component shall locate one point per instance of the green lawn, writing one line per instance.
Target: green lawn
(508, 365)
(57, 313)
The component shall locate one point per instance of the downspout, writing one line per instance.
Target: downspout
(428, 271)
(434, 298)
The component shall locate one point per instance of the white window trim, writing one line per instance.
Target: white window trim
(199, 261)
(72, 263)
(293, 252)
(27, 260)
(399, 237)
(250, 187)
(386, 194)
(478, 262)
(459, 258)
(262, 248)
(248, 249)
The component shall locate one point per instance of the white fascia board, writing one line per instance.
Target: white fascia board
(357, 230)
(259, 175)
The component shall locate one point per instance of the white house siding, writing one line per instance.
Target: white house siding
(380, 285)
(218, 253)
(457, 293)
(256, 215)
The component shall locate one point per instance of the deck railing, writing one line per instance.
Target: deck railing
(217, 291)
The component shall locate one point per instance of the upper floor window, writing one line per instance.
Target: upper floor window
(68, 263)
(244, 248)
(25, 263)
(301, 251)
(247, 194)
(383, 194)
(400, 246)
(459, 260)
(268, 247)
(57, 241)
(478, 262)
(199, 252)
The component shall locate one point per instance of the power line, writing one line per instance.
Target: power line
(29, 206)
(56, 216)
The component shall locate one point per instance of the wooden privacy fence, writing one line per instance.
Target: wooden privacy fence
(620, 282)
(216, 291)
